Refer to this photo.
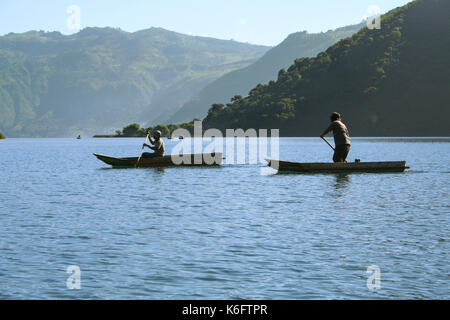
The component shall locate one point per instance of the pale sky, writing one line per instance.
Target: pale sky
(266, 22)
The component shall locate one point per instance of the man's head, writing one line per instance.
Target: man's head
(157, 134)
(335, 116)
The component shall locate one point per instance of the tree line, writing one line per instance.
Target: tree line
(135, 130)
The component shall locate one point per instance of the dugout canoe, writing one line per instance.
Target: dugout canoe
(193, 160)
(392, 166)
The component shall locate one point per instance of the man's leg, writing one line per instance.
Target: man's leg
(345, 153)
(148, 155)
(336, 156)
(341, 152)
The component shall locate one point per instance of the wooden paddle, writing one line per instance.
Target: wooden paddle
(142, 150)
(328, 143)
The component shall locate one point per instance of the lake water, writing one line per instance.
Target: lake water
(232, 232)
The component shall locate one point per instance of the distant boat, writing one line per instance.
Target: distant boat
(395, 166)
(79, 137)
(160, 162)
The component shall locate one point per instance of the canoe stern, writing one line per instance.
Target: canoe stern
(392, 166)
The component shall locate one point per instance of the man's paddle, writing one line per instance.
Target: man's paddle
(142, 151)
(328, 143)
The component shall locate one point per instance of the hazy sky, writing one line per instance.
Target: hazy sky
(256, 21)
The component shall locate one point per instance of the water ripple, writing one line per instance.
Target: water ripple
(234, 232)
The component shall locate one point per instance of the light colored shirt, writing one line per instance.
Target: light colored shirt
(159, 147)
(340, 133)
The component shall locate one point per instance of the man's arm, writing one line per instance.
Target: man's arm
(150, 147)
(330, 128)
(153, 148)
(150, 138)
(151, 141)
(156, 147)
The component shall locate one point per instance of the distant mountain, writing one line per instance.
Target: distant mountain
(103, 78)
(389, 82)
(240, 82)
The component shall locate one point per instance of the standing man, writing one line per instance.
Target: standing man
(158, 146)
(341, 138)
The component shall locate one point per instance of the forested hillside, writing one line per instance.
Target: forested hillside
(388, 82)
(101, 78)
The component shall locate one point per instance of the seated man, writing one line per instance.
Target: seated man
(341, 138)
(158, 146)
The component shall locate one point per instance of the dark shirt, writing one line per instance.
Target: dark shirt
(340, 132)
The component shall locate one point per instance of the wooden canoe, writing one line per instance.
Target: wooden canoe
(162, 162)
(394, 166)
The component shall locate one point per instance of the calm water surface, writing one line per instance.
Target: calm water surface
(232, 232)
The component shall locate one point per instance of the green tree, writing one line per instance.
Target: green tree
(236, 98)
(131, 130)
(216, 108)
(164, 130)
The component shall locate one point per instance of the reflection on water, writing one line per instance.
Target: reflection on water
(342, 181)
(159, 170)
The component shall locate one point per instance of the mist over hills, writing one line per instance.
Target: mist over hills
(240, 82)
(100, 78)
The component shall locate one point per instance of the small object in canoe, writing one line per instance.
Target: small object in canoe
(161, 162)
(394, 166)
